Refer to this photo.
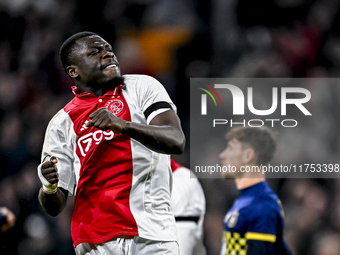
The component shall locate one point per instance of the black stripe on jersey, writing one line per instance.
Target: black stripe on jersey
(187, 218)
(156, 106)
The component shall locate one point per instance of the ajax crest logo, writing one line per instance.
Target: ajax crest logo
(115, 106)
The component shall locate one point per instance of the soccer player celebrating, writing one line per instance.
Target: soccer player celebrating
(254, 224)
(108, 147)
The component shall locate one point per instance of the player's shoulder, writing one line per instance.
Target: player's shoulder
(270, 199)
(60, 115)
(131, 77)
(263, 206)
(184, 172)
(140, 79)
(59, 119)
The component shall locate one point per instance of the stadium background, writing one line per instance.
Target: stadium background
(171, 40)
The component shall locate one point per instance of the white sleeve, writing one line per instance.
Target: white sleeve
(59, 142)
(187, 198)
(153, 97)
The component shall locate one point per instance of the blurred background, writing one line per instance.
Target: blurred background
(171, 40)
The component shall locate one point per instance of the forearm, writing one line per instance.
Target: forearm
(163, 134)
(162, 139)
(53, 204)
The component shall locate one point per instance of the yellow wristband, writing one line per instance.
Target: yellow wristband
(53, 189)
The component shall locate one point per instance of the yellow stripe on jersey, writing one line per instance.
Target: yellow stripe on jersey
(260, 237)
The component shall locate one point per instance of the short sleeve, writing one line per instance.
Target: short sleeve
(59, 143)
(153, 97)
(263, 223)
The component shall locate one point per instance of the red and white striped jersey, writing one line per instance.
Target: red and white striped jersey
(121, 187)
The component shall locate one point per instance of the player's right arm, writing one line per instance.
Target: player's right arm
(56, 172)
(51, 198)
(53, 204)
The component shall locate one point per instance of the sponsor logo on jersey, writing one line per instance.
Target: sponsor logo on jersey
(87, 141)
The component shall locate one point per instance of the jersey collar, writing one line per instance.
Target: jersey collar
(116, 91)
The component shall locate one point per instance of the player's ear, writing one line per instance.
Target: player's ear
(72, 71)
(249, 155)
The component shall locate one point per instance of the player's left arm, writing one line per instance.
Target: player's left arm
(262, 233)
(163, 134)
(255, 247)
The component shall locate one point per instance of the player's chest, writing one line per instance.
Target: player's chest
(89, 138)
(80, 115)
(236, 220)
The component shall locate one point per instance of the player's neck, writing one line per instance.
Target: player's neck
(243, 183)
(100, 89)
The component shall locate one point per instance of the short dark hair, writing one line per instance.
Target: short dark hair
(261, 139)
(68, 47)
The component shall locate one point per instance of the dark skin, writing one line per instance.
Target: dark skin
(96, 70)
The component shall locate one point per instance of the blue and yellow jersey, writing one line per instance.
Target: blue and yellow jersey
(254, 224)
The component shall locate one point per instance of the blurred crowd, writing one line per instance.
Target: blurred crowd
(171, 40)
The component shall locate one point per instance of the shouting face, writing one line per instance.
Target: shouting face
(94, 62)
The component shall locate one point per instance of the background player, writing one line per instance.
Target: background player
(108, 147)
(188, 205)
(254, 224)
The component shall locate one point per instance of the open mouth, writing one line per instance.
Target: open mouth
(112, 66)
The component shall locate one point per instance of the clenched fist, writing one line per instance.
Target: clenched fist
(48, 175)
(106, 120)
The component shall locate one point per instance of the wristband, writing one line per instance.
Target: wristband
(52, 189)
